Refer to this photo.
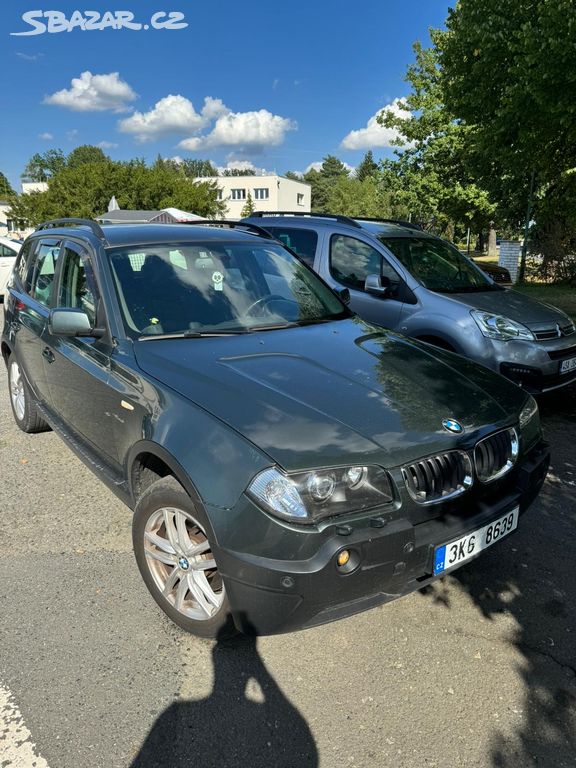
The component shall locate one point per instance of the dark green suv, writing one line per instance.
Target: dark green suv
(287, 463)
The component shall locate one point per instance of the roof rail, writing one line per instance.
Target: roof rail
(399, 222)
(93, 225)
(233, 225)
(336, 216)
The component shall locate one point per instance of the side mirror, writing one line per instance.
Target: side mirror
(379, 286)
(343, 294)
(72, 322)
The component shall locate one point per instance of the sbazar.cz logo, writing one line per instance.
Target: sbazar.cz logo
(88, 21)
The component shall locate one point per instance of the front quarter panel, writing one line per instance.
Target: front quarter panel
(151, 418)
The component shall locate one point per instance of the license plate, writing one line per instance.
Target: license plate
(457, 552)
(568, 365)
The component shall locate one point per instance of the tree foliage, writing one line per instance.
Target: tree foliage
(368, 168)
(509, 75)
(432, 177)
(239, 172)
(248, 208)
(42, 167)
(86, 153)
(84, 191)
(6, 190)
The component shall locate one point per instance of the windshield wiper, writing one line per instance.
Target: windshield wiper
(292, 324)
(189, 335)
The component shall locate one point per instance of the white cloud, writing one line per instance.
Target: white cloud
(94, 93)
(375, 135)
(72, 135)
(254, 130)
(172, 114)
(45, 136)
(107, 145)
(30, 57)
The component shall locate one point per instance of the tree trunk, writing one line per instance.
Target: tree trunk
(492, 249)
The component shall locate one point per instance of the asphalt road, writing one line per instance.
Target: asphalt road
(478, 671)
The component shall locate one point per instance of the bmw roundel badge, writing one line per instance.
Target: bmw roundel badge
(452, 426)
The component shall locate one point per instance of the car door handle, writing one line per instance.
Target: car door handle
(48, 354)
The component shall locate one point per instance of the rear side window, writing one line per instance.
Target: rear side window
(352, 260)
(4, 251)
(302, 241)
(77, 284)
(23, 264)
(44, 270)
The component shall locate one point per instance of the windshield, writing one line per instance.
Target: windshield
(437, 265)
(217, 288)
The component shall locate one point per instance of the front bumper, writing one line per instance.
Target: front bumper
(535, 365)
(393, 558)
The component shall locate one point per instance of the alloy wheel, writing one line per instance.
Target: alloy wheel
(17, 393)
(179, 557)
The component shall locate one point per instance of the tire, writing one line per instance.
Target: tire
(174, 556)
(22, 401)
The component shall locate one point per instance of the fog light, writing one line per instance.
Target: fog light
(343, 558)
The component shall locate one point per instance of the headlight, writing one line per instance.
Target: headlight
(498, 327)
(305, 497)
(529, 412)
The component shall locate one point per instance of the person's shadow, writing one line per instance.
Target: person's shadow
(227, 729)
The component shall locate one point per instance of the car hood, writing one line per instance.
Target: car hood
(333, 393)
(515, 306)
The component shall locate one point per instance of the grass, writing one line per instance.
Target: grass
(559, 295)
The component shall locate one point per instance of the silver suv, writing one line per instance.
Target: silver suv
(405, 279)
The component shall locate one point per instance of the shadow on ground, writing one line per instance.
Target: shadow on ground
(246, 721)
(533, 580)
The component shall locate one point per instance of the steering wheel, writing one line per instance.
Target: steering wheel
(263, 302)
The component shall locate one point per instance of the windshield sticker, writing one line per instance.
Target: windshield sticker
(217, 280)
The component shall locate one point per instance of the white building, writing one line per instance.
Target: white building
(10, 227)
(268, 193)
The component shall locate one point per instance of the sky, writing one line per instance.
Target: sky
(274, 85)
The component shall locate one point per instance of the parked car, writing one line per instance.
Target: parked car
(497, 273)
(287, 462)
(408, 280)
(8, 252)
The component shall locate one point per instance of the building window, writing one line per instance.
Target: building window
(238, 194)
(219, 194)
(300, 198)
(263, 193)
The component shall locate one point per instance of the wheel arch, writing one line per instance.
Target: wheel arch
(6, 351)
(148, 462)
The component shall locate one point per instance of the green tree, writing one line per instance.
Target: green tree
(6, 190)
(239, 172)
(367, 168)
(248, 208)
(322, 180)
(41, 167)
(84, 191)
(333, 168)
(507, 73)
(85, 153)
(198, 168)
(294, 176)
(432, 178)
